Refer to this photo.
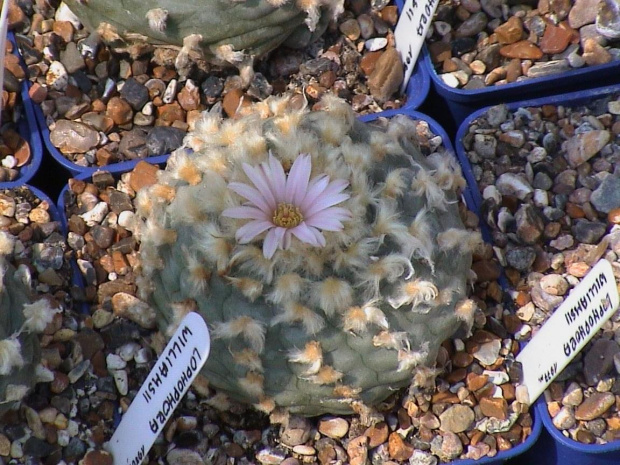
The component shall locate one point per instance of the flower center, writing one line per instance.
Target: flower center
(287, 215)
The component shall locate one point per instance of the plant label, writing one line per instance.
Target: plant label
(588, 306)
(163, 389)
(413, 23)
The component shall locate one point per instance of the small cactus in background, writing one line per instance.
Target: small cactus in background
(20, 321)
(221, 32)
(327, 255)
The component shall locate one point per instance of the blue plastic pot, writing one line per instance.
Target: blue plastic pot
(566, 451)
(28, 129)
(462, 102)
(555, 448)
(116, 170)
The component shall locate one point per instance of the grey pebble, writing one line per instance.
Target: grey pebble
(164, 139)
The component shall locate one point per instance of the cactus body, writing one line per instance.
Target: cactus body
(312, 329)
(220, 31)
(17, 370)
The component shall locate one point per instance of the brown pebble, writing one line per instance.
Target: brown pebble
(595, 405)
(231, 102)
(614, 216)
(97, 457)
(524, 49)
(60, 383)
(387, 75)
(377, 434)
(399, 449)
(486, 270)
(462, 359)
(495, 407)
(143, 175)
(357, 449)
(510, 32)
(119, 110)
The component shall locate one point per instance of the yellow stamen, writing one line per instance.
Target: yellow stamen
(287, 215)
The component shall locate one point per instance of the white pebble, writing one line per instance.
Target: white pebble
(115, 362)
(497, 377)
(9, 162)
(450, 80)
(57, 77)
(171, 92)
(376, 43)
(121, 381)
(127, 220)
(96, 215)
(64, 13)
(541, 198)
(142, 356)
(128, 351)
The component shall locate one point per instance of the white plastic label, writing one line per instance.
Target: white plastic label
(163, 389)
(590, 304)
(410, 32)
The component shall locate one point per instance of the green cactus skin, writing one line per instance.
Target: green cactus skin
(327, 358)
(250, 28)
(13, 297)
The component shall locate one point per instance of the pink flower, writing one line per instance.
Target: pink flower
(287, 206)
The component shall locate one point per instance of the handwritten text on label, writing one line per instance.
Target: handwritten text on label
(572, 325)
(411, 30)
(165, 386)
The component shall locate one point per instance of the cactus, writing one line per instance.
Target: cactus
(20, 321)
(217, 31)
(341, 293)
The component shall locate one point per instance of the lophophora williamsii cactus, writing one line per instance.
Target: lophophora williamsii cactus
(233, 32)
(20, 321)
(327, 255)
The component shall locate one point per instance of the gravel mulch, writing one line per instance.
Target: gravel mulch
(480, 43)
(550, 179)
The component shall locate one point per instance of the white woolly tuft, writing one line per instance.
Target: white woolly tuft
(462, 240)
(396, 341)
(249, 359)
(10, 355)
(424, 184)
(326, 375)
(157, 18)
(213, 244)
(287, 288)
(311, 355)
(408, 359)
(253, 384)
(250, 288)
(294, 312)
(414, 293)
(38, 315)
(333, 294)
(253, 331)
(7, 242)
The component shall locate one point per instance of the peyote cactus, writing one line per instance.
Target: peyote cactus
(20, 320)
(233, 32)
(326, 288)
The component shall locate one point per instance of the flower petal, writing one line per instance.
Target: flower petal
(286, 239)
(305, 234)
(298, 177)
(272, 241)
(326, 221)
(252, 194)
(315, 188)
(250, 230)
(325, 201)
(246, 212)
(278, 178)
(262, 183)
(319, 237)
